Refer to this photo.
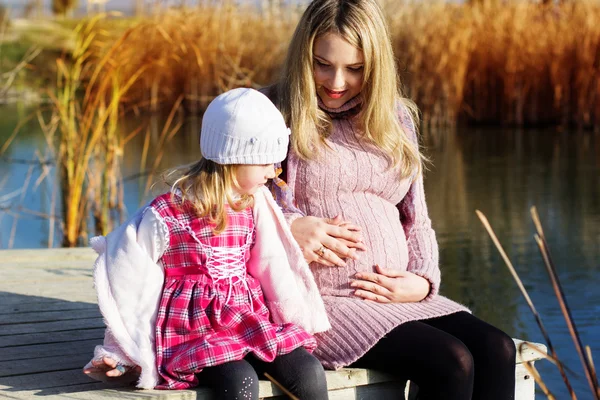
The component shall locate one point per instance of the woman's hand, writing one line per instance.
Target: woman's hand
(108, 369)
(327, 240)
(390, 286)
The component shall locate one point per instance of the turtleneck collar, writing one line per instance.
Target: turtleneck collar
(348, 109)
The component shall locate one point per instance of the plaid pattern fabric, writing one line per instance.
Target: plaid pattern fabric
(204, 320)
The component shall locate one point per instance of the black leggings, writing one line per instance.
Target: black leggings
(299, 372)
(455, 357)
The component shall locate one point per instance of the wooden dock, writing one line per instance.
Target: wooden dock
(50, 323)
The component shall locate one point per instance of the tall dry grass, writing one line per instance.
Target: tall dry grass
(197, 53)
(515, 63)
(82, 132)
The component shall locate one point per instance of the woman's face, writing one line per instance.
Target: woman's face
(338, 69)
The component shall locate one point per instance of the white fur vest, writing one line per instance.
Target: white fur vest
(129, 285)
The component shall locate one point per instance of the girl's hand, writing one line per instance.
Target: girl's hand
(390, 286)
(108, 369)
(327, 240)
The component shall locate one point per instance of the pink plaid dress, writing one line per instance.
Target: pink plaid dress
(211, 311)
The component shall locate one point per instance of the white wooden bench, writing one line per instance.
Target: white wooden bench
(49, 323)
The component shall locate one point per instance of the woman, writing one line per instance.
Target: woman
(355, 202)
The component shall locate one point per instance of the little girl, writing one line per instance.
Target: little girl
(205, 284)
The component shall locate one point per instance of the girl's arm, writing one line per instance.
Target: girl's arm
(110, 360)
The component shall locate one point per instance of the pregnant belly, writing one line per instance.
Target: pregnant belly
(384, 238)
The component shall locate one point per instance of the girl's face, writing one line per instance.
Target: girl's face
(338, 69)
(251, 177)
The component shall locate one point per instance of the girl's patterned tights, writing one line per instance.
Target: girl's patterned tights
(299, 372)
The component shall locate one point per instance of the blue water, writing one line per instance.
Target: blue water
(500, 172)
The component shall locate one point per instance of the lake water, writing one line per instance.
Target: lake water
(500, 172)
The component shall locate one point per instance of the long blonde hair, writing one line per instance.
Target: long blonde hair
(206, 186)
(361, 23)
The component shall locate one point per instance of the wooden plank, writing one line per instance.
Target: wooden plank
(57, 268)
(48, 316)
(56, 337)
(525, 384)
(41, 277)
(78, 391)
(46, 380)
(97, 392)
(9, 300)
(27, 294)
(389, 390)
(20, 256)
(48, 327)
(45, 364)
(61, 349)
(379, 391)
(527, 351)
(46, 305)
(350, 377)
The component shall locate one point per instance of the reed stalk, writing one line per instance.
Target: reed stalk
(85, 126)
(586, 358)
(537, 316)
(588, 367)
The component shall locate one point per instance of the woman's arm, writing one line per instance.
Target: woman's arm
(420, 237)
(422, 244)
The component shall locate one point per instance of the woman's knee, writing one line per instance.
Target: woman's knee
(461, 363)
(501, 347)
(302, 374)
(450, 374)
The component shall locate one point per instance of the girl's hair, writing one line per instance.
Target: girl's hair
(206, 186)
(361, 23)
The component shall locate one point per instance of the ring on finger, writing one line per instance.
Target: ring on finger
(321, 250)
(121, 368)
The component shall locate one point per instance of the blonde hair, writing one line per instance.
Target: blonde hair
(206, 186)
(361, 23)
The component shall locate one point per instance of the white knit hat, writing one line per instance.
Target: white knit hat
(242, 126)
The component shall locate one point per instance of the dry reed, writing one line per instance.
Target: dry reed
(514, 63)
(586, 358)
(195, 54)
(84, 127)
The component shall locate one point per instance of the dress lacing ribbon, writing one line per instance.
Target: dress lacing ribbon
(222, 264)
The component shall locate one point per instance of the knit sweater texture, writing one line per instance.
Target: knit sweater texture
(352, 178)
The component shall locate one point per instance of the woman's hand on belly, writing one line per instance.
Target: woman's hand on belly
(390, 286)
(327, 240)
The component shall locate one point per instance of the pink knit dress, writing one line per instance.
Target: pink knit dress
(352, 179)
(211, 311)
